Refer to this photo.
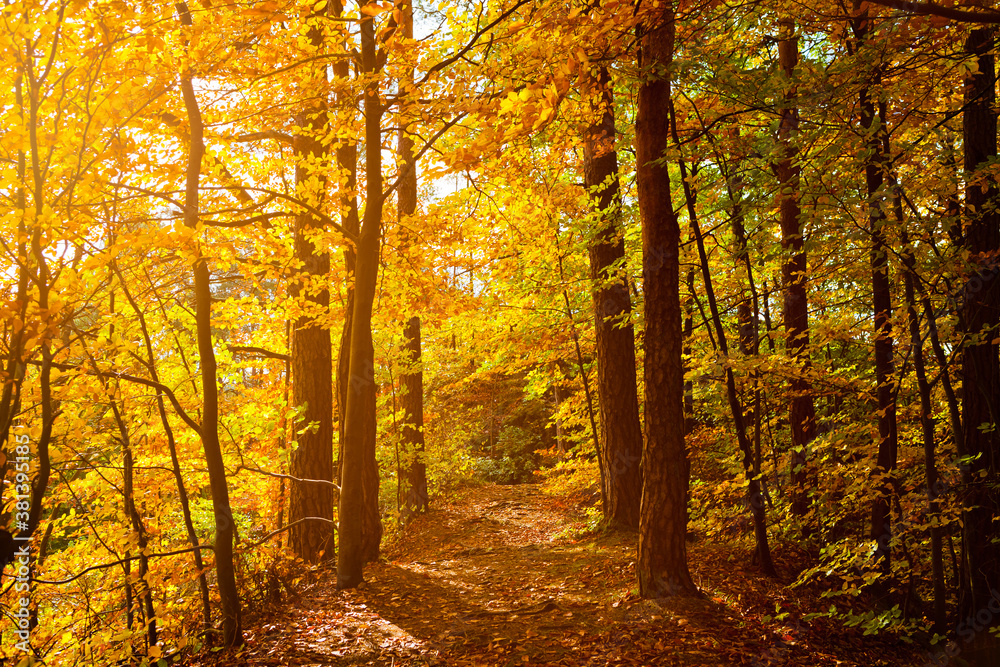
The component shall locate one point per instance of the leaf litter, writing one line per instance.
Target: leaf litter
(491, 579)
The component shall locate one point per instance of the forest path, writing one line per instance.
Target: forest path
(486, 579)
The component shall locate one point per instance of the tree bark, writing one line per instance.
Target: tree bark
(620, 430)
(311, 351)
(876, 137)
(359, 542)
(347, 162)
(413, 378)
(413, 422)
(802, 413)
(979, 317)
(926, 428)
(662, 554)
(225, 528)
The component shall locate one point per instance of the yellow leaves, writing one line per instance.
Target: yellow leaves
(509, 103)
(266, 9)
(376, 8)
(516, 27)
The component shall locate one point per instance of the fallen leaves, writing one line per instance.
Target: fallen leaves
(482, 582)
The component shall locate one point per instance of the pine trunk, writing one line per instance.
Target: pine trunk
(662, 557)
(311, 352)
(802, 413)
(875, 152)
(620, 430)
(360, 524)
(979, 318)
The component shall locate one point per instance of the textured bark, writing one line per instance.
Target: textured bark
(360, 531)
(662, 555)
(412, 401)
(620, 430)
(979, 318)
(347, 162)
(311, 352)
(225, 528)
(874, 130)
(802, 413)
(412, 380)
(926, 427)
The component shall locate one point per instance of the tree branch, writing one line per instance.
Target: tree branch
(934, 9)
(104, 566)
(130, 378)
(259, 351)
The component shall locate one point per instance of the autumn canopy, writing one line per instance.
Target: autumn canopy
(279, 276)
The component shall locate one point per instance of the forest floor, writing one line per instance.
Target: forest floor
(494, 578)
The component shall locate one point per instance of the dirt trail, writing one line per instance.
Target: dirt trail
(487, 580)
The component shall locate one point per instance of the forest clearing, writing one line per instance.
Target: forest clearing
(499, 332)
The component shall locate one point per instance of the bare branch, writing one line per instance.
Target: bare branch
(934, 9)
(258, 351)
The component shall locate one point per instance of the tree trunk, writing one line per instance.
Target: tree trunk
(979, 316)
(620, 430)
(662, 556)
(225, 529)
(413, 422)
(874, 130)
(926, 427)
(802, 413)
(359, 539)
(347, 162)
(413, 377)
(311, 352)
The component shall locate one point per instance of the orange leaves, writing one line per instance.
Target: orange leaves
(268, 9)
(375, 8)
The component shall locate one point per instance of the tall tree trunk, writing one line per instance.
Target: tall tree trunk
(876, 135)
(620, 430)
(358, 542)
(413, 377)
(311, 352)
(662, 557)
(979, 318)
(926, 427)
(347, 162)
(747, 315)
(225, 528)
(802, 413)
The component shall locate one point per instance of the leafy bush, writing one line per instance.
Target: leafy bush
(515, 459)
